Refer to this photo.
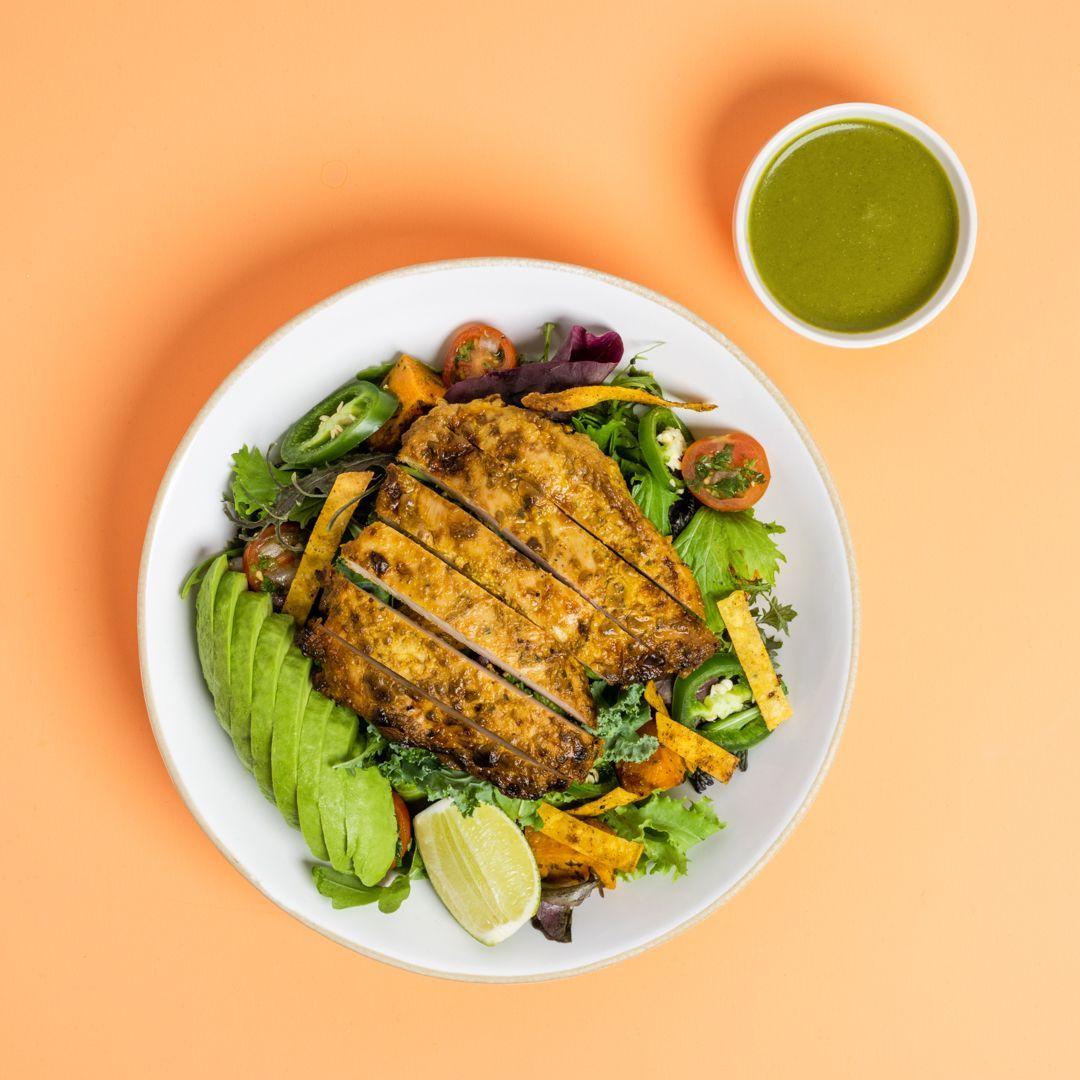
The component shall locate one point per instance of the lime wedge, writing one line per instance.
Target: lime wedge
(481, 867)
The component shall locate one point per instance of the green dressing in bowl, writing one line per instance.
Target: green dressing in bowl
(853, 226)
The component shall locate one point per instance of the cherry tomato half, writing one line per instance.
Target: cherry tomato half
(271, 565)
(404, 822)
(727, 472)
(478, 349)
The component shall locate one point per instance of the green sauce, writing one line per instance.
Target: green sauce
(853, 226)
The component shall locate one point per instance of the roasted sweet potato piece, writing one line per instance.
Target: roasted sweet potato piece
(665, 769)
(418, 389)
(556, 861)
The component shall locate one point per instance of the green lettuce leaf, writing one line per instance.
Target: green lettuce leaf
(619, 714)
(346, 891)
(668, 828)
(255, 482)
(655, 500)
(727, 552)
(417, 773)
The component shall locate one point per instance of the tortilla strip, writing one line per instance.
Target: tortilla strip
(754, 657)
(323, 543)
(596, 845)
(609, 801)
(695, 749)
(585, 397)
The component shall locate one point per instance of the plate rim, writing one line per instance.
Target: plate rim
(789, 411)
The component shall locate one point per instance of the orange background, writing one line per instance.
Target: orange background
(176, 186)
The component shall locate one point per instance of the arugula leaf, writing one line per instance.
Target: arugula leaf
(619, 714)
(668, 828)
(583, 792)
(255, 482)
(346, 891)
(729, 551)
(420, 774)
(775, 614)
(655, 500)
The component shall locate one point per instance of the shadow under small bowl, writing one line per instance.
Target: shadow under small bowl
(965, 205)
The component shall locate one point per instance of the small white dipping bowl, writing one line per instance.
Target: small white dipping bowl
(965, 204)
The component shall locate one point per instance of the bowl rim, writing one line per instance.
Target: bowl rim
(621, 283)
(966, 209)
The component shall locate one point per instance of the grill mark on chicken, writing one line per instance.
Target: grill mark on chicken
(403, 713)
(440, 671)
(586, 484)
(470, 615)
(535, 525)
(454, 535)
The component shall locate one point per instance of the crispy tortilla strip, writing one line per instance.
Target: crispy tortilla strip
(605, 876)
(754, 657)
(695, 749)
(615, 797)
(653, 698)
(585, 397)
(323, 543)
(598, 846)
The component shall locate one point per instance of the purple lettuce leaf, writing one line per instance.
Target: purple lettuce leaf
(556, 912)
(583, 359)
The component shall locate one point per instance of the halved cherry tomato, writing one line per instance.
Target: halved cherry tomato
(727, 472)
(271, 565)
(478, 349)
(404, 822)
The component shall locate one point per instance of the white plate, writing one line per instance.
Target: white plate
(414, 310)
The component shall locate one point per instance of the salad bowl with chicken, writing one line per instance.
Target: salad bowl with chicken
(498, 623)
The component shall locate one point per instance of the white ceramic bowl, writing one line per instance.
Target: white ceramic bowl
(965, 202)
(414, 310)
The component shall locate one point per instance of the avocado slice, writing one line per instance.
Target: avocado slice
(332, 815)
(309, 769)
(275, 637)
(228, 592)
(339, 741)
(370, 824)
(204, 618)
(252, 609)
(290, 702)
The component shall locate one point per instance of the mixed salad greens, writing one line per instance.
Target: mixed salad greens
(699, 492)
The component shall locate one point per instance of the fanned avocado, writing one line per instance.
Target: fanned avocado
(370, 824)
(229, 590)
(252, 609)
(204, 619)
(338, 742)
(308, 771)
(290, 703)
(275, 637)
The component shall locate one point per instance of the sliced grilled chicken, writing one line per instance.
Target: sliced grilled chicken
(586, 484)
(463, 610)
(404, 714)
(535, 525)
(441, 672)
(453, 534)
